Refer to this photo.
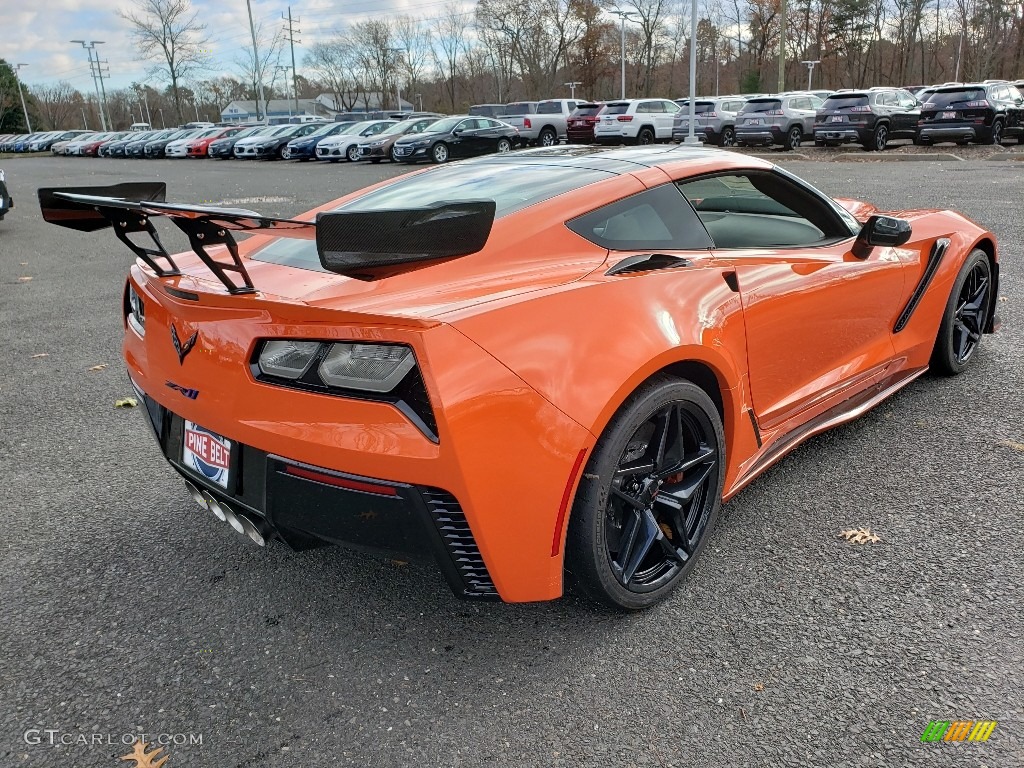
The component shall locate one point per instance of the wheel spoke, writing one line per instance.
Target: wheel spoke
(633, 502)
(643, 533)
(634, 468)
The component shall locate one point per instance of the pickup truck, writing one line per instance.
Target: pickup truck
(540, 122)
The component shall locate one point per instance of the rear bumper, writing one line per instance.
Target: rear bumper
(843, 135)
(760, 135)
(951, 132)
(303, 505)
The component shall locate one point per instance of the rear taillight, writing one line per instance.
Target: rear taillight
(625, 118)
(983, 104)
(860, 109)
(135, 311)
(775, 112)
(707, 114)
(526, 123)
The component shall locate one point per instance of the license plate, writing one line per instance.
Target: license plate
(948, 116)
(836, 119)
(753, 121)
(206, 453)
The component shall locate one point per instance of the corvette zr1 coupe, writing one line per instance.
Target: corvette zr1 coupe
(537, 367)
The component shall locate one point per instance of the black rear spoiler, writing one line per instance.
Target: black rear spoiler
(366, 245)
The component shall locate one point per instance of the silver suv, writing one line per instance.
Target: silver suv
(715, 123)
(785, 118)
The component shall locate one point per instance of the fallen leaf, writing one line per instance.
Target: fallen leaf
(400, 563)
(24, 279)
(1013, 444)
(23, 263)
(1002, 298)
(126, 402)
(860, 536)
(758, 687)
(41, 354)
(99, 367)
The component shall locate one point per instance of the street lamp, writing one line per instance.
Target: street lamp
(623, 15)
(810, 70)
(89, 48)
(163, 125)
(691, 137)
(17, 68)
(572, 88)
(285, 67)
(398, 89)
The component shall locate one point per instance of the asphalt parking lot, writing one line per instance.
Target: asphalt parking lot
(124, 609)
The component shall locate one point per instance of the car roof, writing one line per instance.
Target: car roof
(621, 160)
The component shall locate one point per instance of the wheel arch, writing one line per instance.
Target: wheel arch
(988, 246)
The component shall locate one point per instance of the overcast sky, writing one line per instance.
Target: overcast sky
(36, 32)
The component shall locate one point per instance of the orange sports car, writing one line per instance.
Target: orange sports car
(536, 366)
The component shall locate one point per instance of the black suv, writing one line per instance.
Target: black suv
(984, 112)
(870, 118)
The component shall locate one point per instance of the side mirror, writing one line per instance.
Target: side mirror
(884, 231)
(456, 131)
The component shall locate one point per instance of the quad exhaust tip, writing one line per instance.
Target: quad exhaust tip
(251, 526)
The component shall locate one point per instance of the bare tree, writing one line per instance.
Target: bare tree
(59, 104)
(168, 33)
(253, 72)
(334, 63)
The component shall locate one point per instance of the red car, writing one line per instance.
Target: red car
(199, 147)
(580, 126)
(93, 147)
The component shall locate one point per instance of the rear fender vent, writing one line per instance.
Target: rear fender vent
(447, 515)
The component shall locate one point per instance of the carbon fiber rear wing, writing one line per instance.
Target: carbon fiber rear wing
(366, 245)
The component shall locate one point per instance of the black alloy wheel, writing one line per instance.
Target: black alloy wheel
(646, 136)
(648, 497)
(965, 317)
(728, 137)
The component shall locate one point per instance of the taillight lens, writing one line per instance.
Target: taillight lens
(367, 367)
(625, 118)
(860, 109)
(527, 123)
(775, 112)
(983, 104)
(707, 114)
(135, 311)
(286, 358)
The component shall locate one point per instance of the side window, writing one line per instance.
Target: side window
(656, 219)
(644, 107)
(670, 106)
(762, 209)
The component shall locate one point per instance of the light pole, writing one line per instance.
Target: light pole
(163, 125)
(623, 15)
(89, 48)
(572, 88)
(17, 68)
(691, 137)
(398, 89)
(810, 70)
(261, 97)
(285, 67)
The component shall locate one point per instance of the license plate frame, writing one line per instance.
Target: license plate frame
(836, 119)
(206, 454)
(947, 116)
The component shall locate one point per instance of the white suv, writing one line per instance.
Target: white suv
(635, 121)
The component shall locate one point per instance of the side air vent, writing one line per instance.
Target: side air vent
(451, 523)
(647, 262)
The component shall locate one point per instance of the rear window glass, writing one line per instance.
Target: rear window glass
(945, 98)
(511, 187)
(620, 108)
(762, 105)
(846, 101)
(549, 108)
(521, 108)
(587, 110)
(658, 218)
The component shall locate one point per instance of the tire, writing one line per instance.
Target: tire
(996, 135)
(503, 146)
(793, 138)
(728, 137)
(878, 139)
(646, 136)
(352, 153)
(965, 316)
(439, 153)
(391, 154)
(547, 138)
(612, 506)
